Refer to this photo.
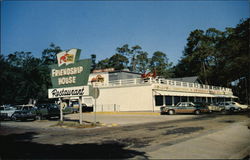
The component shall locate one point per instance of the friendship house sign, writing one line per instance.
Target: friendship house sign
(70, 76)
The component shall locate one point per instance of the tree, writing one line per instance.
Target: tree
(131, 54)
(142, 62)
(93, 63)
(49, 54)
(103, 64)
(159, 63)
(219, 58)
(118, 62)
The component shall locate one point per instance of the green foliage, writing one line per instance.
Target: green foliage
(159, 63)
(219, 58)
(118, 62)
(131, 54)
(24, 77)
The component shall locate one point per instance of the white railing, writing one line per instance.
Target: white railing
(107, 108)
(140, 81)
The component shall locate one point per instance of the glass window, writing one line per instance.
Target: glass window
(176, 99)
(209, 100)
(191, 99)
(203, 99)
(198, 99)
(158, 100)
(168, 100)
(183, 99)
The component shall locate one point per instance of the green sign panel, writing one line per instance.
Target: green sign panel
(70, 71)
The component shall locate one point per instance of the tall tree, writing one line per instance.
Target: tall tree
(219, 58)
(93, 62)
(131, 54)
(49, 54)
(142, 62)
(160, 64)
(103, 64)
(118, 62)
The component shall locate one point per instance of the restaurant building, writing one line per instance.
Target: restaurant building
(127, 91)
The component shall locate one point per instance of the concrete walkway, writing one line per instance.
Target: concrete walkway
(232, 142)
(126, 118)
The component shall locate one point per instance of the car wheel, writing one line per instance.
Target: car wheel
(13, 118)
(232, 109)
(39, 117)
(197, 112)
(171, 112)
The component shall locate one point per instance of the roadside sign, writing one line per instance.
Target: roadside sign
(68, 92)
(69, 70)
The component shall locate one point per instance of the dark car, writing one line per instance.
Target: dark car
(24, 112)
(47, 111)
(185, 107)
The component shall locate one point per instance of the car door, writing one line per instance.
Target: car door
(180, 108)
(190, 108)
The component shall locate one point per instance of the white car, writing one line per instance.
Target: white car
(230, 106)
(6, 112)
(242, 106)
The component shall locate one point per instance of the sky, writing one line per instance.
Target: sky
(99, 27)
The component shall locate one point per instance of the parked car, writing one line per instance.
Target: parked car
(24, 112)
(230, 106)
(47, 111)
(241, 106)
(6, 111)
(185, 107)
(216, 108)
(69, 110)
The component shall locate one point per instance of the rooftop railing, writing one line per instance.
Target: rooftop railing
(148, 81)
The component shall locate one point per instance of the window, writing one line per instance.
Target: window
(190, 105)
(198, 99)
(158, 100)
(203, 99)
(176, 99)
(191, 99)
(168, 100)
(183, 99)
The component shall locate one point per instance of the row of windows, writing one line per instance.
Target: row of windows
(169, 100)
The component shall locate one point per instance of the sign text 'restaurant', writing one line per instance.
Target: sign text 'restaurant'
(68, 92)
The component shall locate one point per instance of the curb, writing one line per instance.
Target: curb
(127, 113)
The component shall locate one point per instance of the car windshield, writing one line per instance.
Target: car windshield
(19, 107)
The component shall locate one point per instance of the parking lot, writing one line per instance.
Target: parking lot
(130, 135)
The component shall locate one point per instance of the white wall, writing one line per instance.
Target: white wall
(133, 98)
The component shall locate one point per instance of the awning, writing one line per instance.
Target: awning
(225, 96)
(188, 94)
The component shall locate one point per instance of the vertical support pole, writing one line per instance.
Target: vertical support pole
(95, 111)
(80, 109)
(153, 100)
(61, 111)
(172, 100)
(164, 100)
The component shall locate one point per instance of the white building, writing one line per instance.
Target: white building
(127, 91)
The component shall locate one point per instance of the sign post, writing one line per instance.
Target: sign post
(95, 96)
(61, 110)
(69, 78)
(80, 109)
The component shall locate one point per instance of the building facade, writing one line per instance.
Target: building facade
(127, 91)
